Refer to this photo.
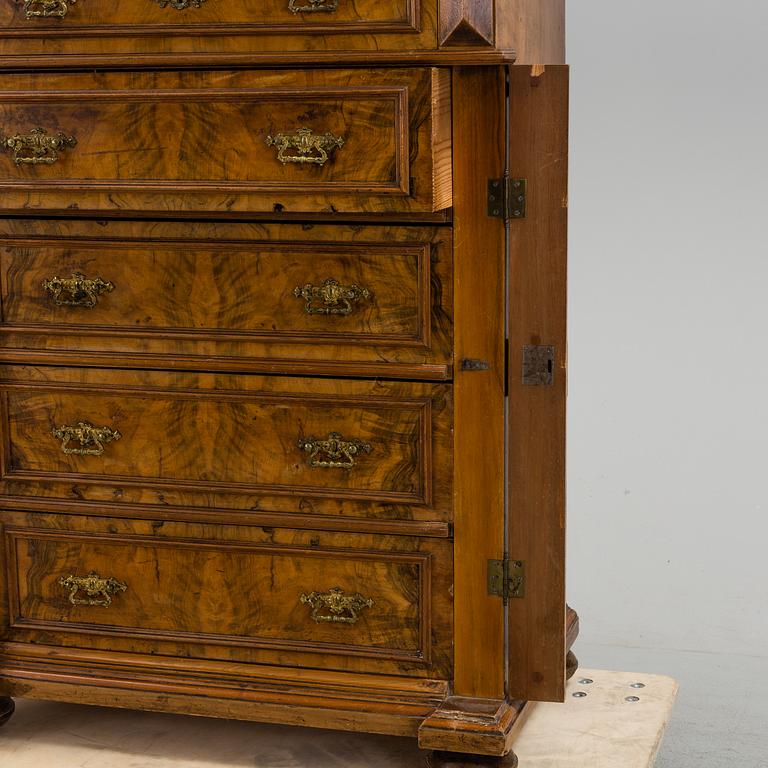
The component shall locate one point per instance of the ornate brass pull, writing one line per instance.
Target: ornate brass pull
(98, 591)
(310, 147)
(338, 452)
(77, 291)
(180, 5)
(37, 146)
(336, 607)
(337, 298)
(45, 8)
(314, 6)
(91, 438)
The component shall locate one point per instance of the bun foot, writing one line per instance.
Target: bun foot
(571, 665)
(439, 759)
(6, 709)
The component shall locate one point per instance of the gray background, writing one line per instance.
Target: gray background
(668, 435)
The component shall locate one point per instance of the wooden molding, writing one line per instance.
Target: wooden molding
(475, 726)
(466, 22)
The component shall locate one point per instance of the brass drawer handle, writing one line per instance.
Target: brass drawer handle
(337, 299)
(338, 452)
(310, 147)
(91, 438)
(37, 147)
(180, 5)
(98, 591)
(314, 6)
(34, 9)
(336, 607)
(77, 291)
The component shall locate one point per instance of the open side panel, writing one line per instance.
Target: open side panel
(536, 438)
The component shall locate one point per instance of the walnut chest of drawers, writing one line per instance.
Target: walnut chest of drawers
(282, 362)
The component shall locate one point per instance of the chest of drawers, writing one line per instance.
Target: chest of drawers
(282, 362)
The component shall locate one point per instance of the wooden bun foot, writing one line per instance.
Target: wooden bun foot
(437, 759)
(6, 709)
(571, 665)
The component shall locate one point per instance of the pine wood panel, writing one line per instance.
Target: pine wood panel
(479, 394)
(230, 293)
(538, 256)
(220, 592)
(207, 435)
(160, 141)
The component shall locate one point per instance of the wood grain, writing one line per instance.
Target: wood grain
(374, 703)
(231, 442)
(535, 29)
(538, 255)
(229, 292)
(159, 141)
(185, 580)
(249, 442)
(479, 395)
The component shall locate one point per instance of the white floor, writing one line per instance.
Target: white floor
(720, 719)
(600, 729)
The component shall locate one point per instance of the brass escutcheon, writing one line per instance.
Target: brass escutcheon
(180, 5)
(335, 607)
(338, 452)
(91, 438)
(337, 299)
(311, 147)
(45, 8)
(37, 147)
(313, 6)
(98, 591)
(77, 291)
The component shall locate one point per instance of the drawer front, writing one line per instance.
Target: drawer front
(292, 292)
(342, 441)
(177, 26)
(247, 597)
(276, 142)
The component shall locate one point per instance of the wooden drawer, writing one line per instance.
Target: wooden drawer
(375, 445)
(240, 594)
(360, 296)
(187, 26)
(276, 142)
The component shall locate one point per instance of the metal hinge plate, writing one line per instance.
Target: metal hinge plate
(506, 578)
(507, 198)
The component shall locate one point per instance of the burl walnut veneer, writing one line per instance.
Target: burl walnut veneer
(282, 362)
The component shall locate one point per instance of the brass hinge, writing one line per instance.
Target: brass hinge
(507, 198)
(506, 578)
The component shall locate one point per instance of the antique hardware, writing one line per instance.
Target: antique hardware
(538, 366)
(91, 438)
(45, 8)
(37, 146)
(507, 198)
(337, 298)
(341, 608)
(469, 364)
(338, 452)
(506, 578)
(311, 147)
(77, 291)
(98, 591)
(314, 6)
(180, 5)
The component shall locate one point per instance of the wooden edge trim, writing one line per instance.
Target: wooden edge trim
(474, 726)
(228, 364)
(421, 528)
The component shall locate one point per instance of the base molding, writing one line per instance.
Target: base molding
(466, 726)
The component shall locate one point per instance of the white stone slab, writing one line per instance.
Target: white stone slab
(600, 730)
